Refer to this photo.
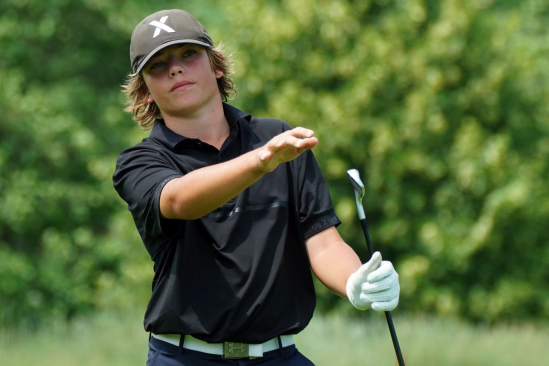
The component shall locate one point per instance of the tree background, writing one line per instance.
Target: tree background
(443, 106)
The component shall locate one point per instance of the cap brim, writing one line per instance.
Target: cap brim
(168, 44)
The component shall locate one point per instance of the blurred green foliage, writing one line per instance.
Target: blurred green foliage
(442, 105)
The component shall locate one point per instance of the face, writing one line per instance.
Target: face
(180, 80)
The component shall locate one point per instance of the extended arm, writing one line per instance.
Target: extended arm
(203, 190)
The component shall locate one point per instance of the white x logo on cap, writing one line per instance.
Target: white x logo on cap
(161, 26)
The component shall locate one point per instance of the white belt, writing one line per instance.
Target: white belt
(226, 349)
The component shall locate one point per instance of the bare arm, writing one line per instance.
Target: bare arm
(203, 190)
(332, 260)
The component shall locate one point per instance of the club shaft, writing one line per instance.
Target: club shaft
(367, 236)
(388, 316)
(394, 338)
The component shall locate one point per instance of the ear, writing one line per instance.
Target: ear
(218, 74)
(150, 99)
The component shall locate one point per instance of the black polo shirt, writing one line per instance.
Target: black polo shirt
(240, 273)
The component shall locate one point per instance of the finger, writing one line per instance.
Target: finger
(298, 137)
(286, 142)
(361, 275)
(384, 270)
(386, 305)
(384, 284)
(301, 132)
(382, 296)
(293, 141)
(371, 265)
(300, 142)
(307, 144)
(276, 144)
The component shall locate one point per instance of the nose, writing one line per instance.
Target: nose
(175, 67)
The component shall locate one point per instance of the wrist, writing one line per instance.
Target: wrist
(257, 166)
(264, 161)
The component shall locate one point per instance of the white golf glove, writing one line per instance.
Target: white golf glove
(374, 285)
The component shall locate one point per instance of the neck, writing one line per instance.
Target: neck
(208, 124)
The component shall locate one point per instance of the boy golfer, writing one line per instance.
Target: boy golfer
(233, 210)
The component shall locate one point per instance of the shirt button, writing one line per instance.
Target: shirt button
(199, 144)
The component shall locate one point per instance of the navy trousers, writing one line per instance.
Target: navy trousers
(165, 354)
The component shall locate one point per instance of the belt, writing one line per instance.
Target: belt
(226, 349)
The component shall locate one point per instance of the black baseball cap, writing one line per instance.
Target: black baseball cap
(163, 29)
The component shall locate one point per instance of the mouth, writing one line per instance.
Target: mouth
(182, 85)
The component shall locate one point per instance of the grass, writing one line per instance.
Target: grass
(424, 342)
(119, 340)
(104, 339)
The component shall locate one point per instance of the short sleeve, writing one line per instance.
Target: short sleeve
(316, 211)
(141, 174)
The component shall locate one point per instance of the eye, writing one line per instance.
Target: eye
(156, 65)
(189, 53)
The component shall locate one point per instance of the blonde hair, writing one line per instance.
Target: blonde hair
(137, 93)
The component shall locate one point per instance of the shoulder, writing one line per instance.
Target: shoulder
(270, 123)
(144, 164)
(268, 127)
(147, 147)
(142, 158)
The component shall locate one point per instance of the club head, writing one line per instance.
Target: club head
(358, 186)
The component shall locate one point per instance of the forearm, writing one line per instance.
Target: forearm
(334, 266)
(332, 260)
(204, 190)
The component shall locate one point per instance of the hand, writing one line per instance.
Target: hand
(285, 147)
(374, 285)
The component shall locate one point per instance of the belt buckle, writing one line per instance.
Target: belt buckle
(235, 350)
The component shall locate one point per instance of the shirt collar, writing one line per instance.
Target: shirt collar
(233, 114)
(171, 139)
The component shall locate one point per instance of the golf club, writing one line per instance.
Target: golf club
(358, 187)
